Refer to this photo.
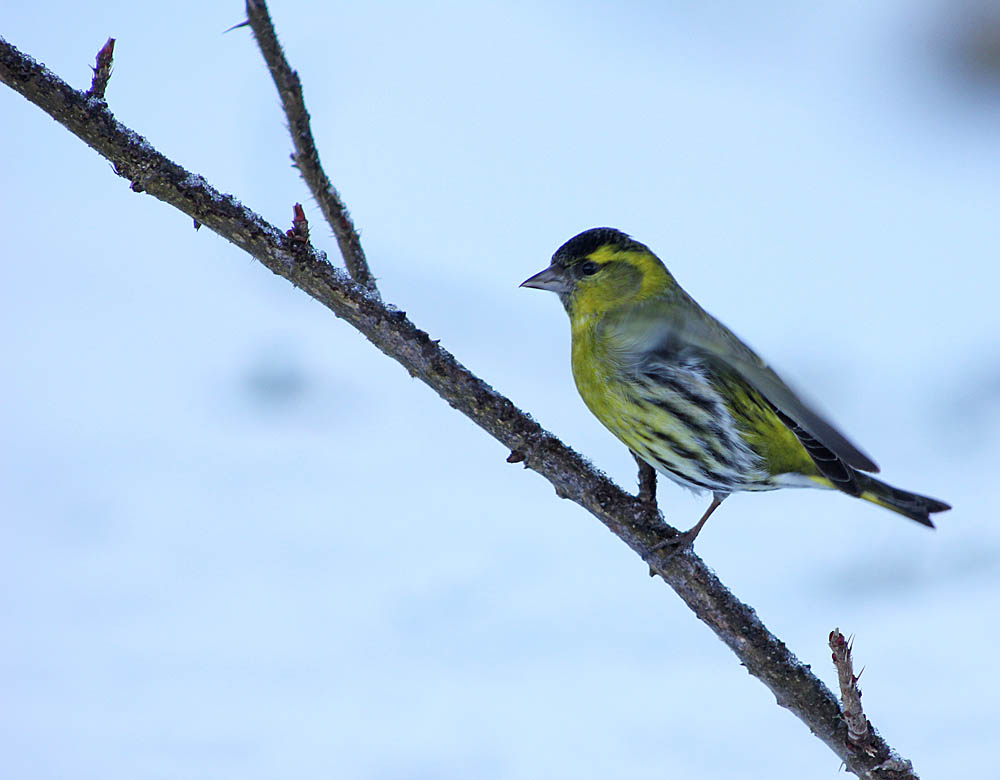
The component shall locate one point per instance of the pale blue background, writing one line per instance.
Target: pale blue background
(237, 541)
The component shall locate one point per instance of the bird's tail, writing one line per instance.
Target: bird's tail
(909, 505)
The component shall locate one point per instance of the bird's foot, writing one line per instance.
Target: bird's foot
(685, 539)
(676, 544)
(647, 490)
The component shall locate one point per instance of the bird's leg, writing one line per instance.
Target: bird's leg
(647, 481)
(684, 540)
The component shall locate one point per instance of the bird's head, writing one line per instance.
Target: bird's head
(600, 270)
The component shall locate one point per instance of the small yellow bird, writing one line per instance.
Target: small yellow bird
(688, 397)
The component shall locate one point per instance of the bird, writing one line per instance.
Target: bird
(687, 396)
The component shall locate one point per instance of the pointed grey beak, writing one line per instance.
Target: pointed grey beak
(552, 279)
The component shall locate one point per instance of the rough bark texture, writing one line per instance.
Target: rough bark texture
(389, 329)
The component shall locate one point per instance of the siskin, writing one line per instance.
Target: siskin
(686, 395)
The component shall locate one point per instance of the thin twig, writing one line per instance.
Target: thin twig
(861, 735)
(102, 70)
(306, 155)
(858, 728)
(764, 655)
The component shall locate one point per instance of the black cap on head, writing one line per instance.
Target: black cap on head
(588, 241)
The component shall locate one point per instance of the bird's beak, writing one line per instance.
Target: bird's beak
(552, 279)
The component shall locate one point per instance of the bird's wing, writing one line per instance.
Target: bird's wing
(652, 331)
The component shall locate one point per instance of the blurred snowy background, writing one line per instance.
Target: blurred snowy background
(237, 541)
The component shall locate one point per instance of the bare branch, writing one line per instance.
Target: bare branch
(764, 655)
(860, 733)
(306, 156)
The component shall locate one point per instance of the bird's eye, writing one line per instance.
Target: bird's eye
(589, 268)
